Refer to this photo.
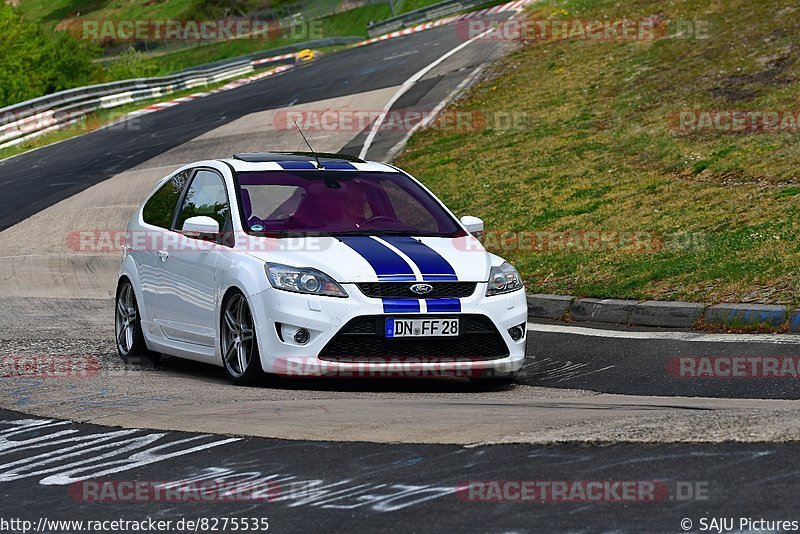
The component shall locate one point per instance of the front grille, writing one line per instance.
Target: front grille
(363, 339)
(399, 290)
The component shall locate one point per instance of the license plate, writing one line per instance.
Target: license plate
(445, 327)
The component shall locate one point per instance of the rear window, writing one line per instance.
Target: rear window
(160, 209)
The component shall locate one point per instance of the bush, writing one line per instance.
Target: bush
(34, 63)
(131, 64)
(200, 9)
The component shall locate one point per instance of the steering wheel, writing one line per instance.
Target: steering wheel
(379, 218)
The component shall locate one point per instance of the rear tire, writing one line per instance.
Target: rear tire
(128, 326)
(238, 343)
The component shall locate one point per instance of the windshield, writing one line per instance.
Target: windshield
(339, 203)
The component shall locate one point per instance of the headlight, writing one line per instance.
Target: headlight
(302, 280)
(503, 279)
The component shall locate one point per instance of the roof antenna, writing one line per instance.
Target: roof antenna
(319, 165)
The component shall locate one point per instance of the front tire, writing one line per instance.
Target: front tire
(240, 356)
(128, 326)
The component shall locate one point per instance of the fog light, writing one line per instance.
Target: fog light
(516, 332)
(301, 336)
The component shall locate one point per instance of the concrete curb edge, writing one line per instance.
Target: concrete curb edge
(672, 314)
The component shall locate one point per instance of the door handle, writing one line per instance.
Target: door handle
(163, 254)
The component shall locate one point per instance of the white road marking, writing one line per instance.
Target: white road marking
(401, 54)
(408, 84)
(433, 114)
(344, 494)
(786, 339)
(62, 455)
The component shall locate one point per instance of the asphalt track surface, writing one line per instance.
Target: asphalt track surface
(600, 358)
(63, 169)
(734, 479)
(363, 487)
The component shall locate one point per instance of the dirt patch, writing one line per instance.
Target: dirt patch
(737, 88)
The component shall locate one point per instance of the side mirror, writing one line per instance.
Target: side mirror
(474, 225)
(201, 227)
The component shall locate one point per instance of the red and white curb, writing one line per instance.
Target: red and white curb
(516, 6)
(292, 55)
(227, 87)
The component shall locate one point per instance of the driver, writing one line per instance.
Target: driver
(354, 206)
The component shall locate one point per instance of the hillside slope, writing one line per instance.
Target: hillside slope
(584, 161)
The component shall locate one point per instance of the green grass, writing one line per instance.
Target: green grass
(51, 13)
(593, 151)
(350, 23)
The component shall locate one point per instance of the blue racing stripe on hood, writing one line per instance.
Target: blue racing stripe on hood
(400, 306)
(386, 263)
(430, 263)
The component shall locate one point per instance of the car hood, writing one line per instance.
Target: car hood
(383, 258)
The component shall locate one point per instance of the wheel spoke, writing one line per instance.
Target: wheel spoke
(242, 358)
(121, 334)
(128, 338)
(246, 334)
(230, 322)
(121, 309)
(229, 353)
(240, 312)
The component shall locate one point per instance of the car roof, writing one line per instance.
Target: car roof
(281, 161)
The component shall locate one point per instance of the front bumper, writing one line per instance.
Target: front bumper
(279, 314)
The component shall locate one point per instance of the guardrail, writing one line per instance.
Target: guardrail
(20, 122)
(431, 12)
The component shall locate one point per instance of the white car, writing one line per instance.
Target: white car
(323, 265)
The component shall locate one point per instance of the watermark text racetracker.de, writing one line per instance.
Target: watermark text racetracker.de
(136, 30)
(179, 491)
(347, 367)
(108, 241)
(49, 366)
(734, 366)
(732, 121)
(587, 240)
(582, 491)
(76, 120)
(598, 30)
(401, 120)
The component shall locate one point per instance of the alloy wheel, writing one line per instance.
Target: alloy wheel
(237, 336)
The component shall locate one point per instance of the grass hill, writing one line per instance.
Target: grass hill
(595, 153)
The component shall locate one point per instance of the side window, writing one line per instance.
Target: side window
(159, 209)
(205, 196)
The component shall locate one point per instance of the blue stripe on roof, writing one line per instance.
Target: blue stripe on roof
(338, 165)
(297, 165)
